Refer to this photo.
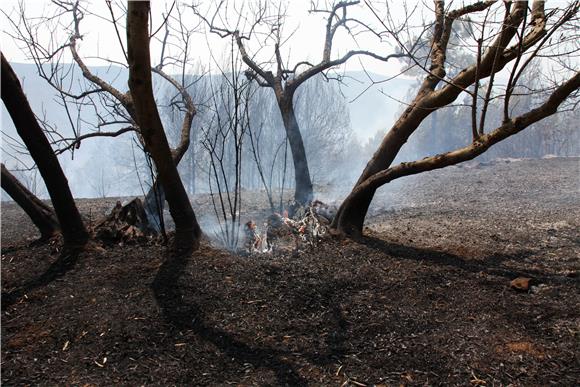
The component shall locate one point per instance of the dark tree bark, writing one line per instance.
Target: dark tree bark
(41, 215)
(303, 192)
(187, 231)
(72, 226)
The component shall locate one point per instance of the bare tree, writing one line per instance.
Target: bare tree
(285, 79)
(521, 38)
(187, 231)
(114, 108)
(324, 119)
(72, 226)
(223, 139)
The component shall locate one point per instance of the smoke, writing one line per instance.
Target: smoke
(341, 131)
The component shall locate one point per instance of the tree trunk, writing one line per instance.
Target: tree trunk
(154, 203)
(40, 214)
(303, 190)
(351, 215)
(73, 229)
(187, 231)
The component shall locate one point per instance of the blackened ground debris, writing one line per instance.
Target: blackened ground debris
(423, 299)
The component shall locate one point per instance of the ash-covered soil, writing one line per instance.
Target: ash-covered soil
(423, 299)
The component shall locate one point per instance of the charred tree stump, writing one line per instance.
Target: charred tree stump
(126, 223)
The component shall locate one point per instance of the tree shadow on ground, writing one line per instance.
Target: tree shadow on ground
(190, 316)
(183, 313)
(65, 262)
(491, 265)
(187, 315)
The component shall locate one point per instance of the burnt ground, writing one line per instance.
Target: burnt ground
(423, 299)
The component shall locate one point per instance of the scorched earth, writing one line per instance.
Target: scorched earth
(423, 298)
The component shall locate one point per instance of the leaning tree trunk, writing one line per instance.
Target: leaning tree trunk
(303, 190)
(71, 224)
(187, 231)
(351, 215)
(155, 198)
(354, 207)
(40, 214)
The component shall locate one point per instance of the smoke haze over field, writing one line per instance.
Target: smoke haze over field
(106, 166)
(99, 159)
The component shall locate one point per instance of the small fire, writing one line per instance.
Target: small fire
(308, 226)
(256, 242)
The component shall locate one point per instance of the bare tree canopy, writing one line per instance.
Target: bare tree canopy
(115, 107)
(284, 78)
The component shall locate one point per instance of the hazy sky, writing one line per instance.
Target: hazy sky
(306, 30)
